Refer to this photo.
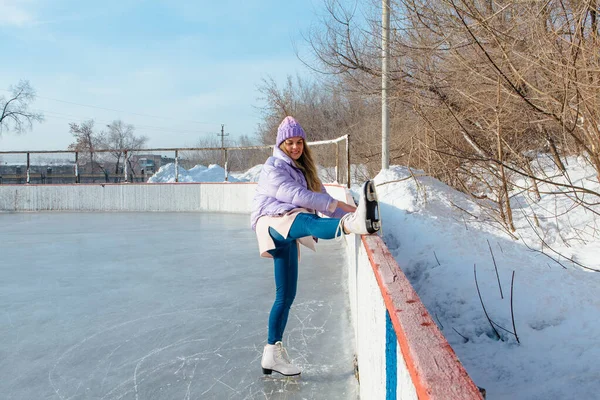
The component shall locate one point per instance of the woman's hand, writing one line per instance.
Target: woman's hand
(346, 207)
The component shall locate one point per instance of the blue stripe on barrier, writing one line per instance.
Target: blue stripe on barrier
(391, 362)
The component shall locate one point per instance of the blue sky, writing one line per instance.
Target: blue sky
(176, 70)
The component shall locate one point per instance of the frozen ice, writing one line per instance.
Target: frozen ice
(161, 306)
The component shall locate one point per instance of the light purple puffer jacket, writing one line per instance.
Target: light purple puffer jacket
(282, 187)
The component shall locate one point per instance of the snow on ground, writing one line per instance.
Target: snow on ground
(441, 237)
(556, 310)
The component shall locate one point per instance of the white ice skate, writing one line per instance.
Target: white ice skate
(365, 220)
(275, 358)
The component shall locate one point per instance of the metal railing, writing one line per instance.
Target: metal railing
(127, 177)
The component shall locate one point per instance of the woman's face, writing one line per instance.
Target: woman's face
(294, 147)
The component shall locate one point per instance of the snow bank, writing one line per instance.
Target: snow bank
(199, 173)
(439, 236)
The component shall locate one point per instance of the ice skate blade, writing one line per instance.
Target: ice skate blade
(372, 225)
(370, 192)
(269, 371)
(372, 207)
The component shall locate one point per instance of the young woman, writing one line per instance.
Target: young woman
(288, 197)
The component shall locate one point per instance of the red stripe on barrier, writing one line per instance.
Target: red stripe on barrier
(433, 366)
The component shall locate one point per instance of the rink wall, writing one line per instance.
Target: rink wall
(400, 351)
(139, 197)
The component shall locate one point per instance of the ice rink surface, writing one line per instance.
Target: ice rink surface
(161, 306)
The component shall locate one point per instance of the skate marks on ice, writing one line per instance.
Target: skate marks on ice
(164, 350)
(313, 344)
(187, 354)
(310, 385)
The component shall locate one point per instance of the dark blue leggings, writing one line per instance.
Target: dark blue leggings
(285, 257)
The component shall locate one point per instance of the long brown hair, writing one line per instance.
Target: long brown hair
(306, 164)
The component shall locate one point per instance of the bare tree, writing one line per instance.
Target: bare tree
(14, 110)
(120, 137)
(326, 110)
(242, 160)
(86, 142)
(191, 158)
(478, 87)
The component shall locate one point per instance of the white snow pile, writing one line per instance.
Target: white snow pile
(199, 173)
(248, 176)
(439, 237)
(215, 173)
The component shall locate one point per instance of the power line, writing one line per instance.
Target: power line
(119, 111)
(146, 127)
(71, 118)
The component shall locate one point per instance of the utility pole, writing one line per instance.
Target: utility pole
(385, 53)
(223, 134)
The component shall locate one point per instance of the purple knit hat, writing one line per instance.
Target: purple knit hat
(289, 128)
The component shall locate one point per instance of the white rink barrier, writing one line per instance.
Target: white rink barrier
(400, 351)
(144, 197)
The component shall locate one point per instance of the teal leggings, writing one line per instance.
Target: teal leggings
(285, 257)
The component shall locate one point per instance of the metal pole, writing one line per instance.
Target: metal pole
(76, 167)
(223, 151)
(337, 162)
(348, 158)
(176, 165)
(28, 167)
(385, 119)
(125, 169)
(222, 144)
(226, 172)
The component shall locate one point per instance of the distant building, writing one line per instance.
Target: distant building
(149, 163)
(17, 173)
(139, 168)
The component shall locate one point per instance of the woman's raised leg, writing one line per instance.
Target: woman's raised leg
(312, 225)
